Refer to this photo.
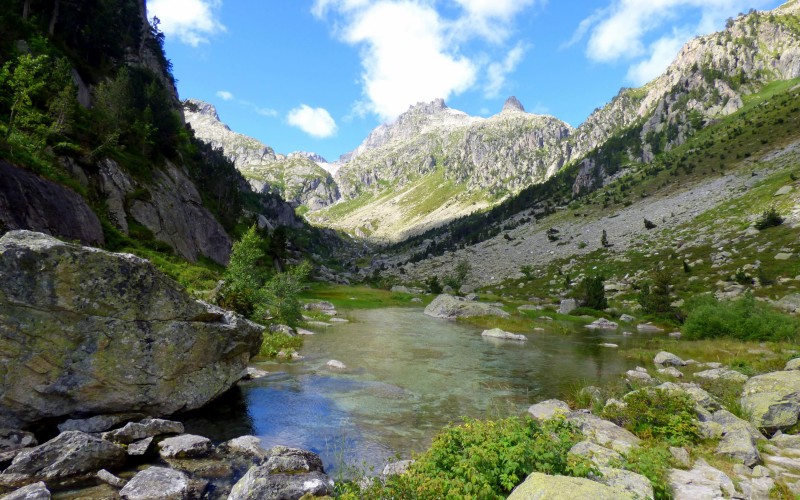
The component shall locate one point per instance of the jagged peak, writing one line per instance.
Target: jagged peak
(428, 108)
(790, 7)
(204, 108)
(512, 105)
(308, 155)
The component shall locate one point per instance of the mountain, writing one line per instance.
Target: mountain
(297, 178)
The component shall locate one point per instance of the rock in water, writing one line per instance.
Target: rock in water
(497, 333)
(450, 307)
(36, 491)
(84, 331)
(288, 473)
(157, 483)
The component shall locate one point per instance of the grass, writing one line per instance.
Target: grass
(361, 297)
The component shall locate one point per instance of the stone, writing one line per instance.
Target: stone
(546, 410)
(722, 374)
(665, 358)
(245, 448)
(71, 453)
(702, 481)
(417, 300)
(538, 486)
(648, 328)
(627, 318)
(792, 365)
(789, 303)
(396, 468)
(608, 345)
(139, 448)
(252, 373)
(773, 400)
(149, 427)
(303, 331)
(602, 324)
(284, 329)
(739, 438)
(783, 256)
(98, 333)
(260, 483)
(399, 289)
(603, 432)
(638, 376)
(567, 306)
(157, 483)
(784, 190)
(320, 305)
(14, 439)
(110, 479)
(185, 446)
(674, 335)
(599, 455)
(34, 491)
(466, 290)
(709, 429)
(497, 333)
(98, 423)
(681, 456)
(635, 484)
(285, 460)
(449, 307)
(756, 487)
(670, 372)
(701, 397)
(785, 440)
(336, 365)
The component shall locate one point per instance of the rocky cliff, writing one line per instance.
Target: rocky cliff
(86, 332)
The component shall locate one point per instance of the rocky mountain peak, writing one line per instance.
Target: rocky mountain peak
(513, 105)
(204, 108)
(311, 156)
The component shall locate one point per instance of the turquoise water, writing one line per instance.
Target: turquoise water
(407, 376)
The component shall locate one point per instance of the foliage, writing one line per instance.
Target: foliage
(742, 319)
(528, 271)
(459, 276)
(653, 462)
(433, 285)
(487, 459)
(591, 293)
(656, 297)
(275, 342)
(657, 413)
(769, 218)
(279, 296)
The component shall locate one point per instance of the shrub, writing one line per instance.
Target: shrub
(274, 343)
(591, 293)
(649, 225)
(487, 459)
(657, 414)
(769, 218)
(433, 284)
(653, 462)
(528, 271)
(656, 297)
(742, 319)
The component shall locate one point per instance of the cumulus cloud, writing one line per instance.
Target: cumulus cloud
(191, 21)
(224, 95)
(410, 53)
(620, 31)
(316, 122)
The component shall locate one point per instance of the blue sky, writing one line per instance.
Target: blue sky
(318, 75)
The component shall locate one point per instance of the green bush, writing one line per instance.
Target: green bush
(591, 293)
(657, 414)
(274, 343)
(487, 459)
(769, 218)
(656, 297)
(653, 462)
(433, 285)
(742, 319)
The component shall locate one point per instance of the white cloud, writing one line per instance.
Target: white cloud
(410, 53)
(224, 95)
(268, 112)
(498, 71)
(191, 21)
(316, 122)
(620, 31)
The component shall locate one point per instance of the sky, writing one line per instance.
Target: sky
(319, 75)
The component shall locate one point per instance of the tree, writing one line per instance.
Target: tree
(463, 268)
(24, 81)
(604, 240)
(244, 275)
(656, 297)
(433, 284)
(280, 294)
(591, 293)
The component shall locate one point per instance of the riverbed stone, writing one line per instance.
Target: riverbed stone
(773, 399)
(702, 481)
(336, 365)
(538, 486)
(545, 410)
(157, 483)
(648, 328)
(603, 432)
(69, 454)
(260, 483)
(567, 306)
(185, 446)
(94, 332)
(34, 491)
(110, 479)
(292, 461)
(602, 324)
(665, 358)
(244, 448)
(149, 427)
(449, 307)
(497, 333)
(139, 448)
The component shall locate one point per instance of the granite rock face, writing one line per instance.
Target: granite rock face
(87, 332)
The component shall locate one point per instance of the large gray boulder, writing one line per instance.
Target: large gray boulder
(185, 446)
(84, 331)
(773, 399)
(288, 474)
(35, 491)
(603, 432)
(545, 410)
(703, 481)
(157, 483)
(540, 486)
(449, 307)
(69, 454)
(739, 438)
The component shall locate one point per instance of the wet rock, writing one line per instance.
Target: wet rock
(538, 486)
(449, 307)
(665, 358)
(149, 427)
(497, 333)
(110, 479)
(252, 373)
(70, 454)
(35, 491)
(244, 448)
(157, 483)
(185, 446)
(336, 365)
(546, 410)
(773, 399)
(648, 328)
(98, 423)
(602, 324)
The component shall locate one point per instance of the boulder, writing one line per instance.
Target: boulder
(71, 453)
(157, 483)
(139, 448)
(665, 358)
(773, 399)
(670, 371)
(149, 427)
(598, 455)
(603, 432)
(701, 397)
(283, 460)
(567, 306)
(252, 373)
(648, 328)
(703, 481)
(244, 448)
(635, 484)
(722, 374)
(396, 468)
(496, 333)
(602, 324)
(14, 439)
(35, 491)
(739, 438)
(627, 318)
(185, 446)
(540, 486)
(680, 456)
(638, 376)
(336, 365)
(321, 305)
(548, 409)
(260, 483)
(86, 331)
(98, 423)
(449, 307)
(790, 303)
(399, 289)
(792, 365)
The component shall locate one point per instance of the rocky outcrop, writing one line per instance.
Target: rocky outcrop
(449, 307)
(30, 202)
(773, 400)
(84, 332)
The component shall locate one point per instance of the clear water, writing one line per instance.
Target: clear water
(407, 376)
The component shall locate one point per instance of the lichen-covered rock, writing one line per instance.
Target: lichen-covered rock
(603, 432)
(157, 483)
(69, 454)
(773, 399)
(497, 333)
(185, 446)
(739, 438)
(35, 491)
(540, 486)
(793, 364)
(244, 449)
(703, 481)
(665, 358)
(723, 374)
(546, 410)
(92, 332)
(599, 455)
(625, 480)
(449, 307)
